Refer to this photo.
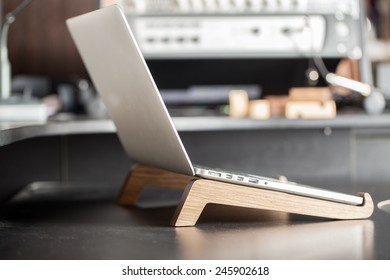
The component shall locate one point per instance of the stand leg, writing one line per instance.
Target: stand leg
(200, 192)
(141, 176)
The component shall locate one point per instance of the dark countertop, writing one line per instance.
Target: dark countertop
(82, 221)
(73, 220)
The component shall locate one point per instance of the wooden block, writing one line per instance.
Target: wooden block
(201, 192)
(310, 109)
(259, 109)
(320, 94)
(349, 69)
(238, 104)
(141, 176)
(277, 104)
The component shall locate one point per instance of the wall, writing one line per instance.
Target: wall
(39, 42)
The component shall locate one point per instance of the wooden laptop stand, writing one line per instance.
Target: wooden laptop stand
(200, 192)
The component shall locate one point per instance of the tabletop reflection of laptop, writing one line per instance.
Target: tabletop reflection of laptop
(145, 129)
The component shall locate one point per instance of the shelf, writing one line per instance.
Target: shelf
(12, 132)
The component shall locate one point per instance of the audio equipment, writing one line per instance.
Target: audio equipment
(244, 28)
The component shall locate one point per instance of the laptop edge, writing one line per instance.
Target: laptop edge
(145, 129)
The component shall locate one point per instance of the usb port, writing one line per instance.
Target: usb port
(215, 174)
(228, 176)
(254, 181)
(240, 178)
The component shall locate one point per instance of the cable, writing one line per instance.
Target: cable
(10, 17)
(320, 65)
(374, 101)
(5, 68)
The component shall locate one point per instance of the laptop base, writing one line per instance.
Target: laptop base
(199, 192)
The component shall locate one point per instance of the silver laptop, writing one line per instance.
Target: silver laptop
(145, 129)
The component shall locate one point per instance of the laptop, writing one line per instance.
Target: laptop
(119, 72)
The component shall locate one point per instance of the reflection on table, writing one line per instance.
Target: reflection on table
(287, 239)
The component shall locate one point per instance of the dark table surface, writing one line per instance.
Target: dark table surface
(80, 220)
(48, 220)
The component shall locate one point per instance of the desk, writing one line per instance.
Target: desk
(81, 221)
(76, 169)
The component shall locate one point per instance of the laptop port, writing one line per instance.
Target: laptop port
(215, 174)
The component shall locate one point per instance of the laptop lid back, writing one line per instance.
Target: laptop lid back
(122, 78)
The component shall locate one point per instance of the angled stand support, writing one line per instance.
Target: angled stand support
(200, 192)
(141, 176)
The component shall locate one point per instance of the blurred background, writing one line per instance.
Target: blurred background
(298, 88)
(200, 50)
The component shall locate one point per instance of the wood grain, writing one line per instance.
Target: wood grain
(141, 176)
(201, 192)
(311, 109)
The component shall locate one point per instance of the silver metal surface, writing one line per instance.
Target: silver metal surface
(120, 74)
(251, 28)
(277, 185)
(133, 101)
(384, 205)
